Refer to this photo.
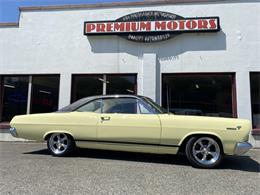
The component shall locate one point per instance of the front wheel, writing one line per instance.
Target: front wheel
(60, 144)
(204, 152)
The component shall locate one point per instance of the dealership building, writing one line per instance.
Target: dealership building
(194, 57)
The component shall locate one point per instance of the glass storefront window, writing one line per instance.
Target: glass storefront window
(255, 98)
(45, 94)
(14, 96)
(86, 85)
(121, 84)
(90, 85)
(198, 94)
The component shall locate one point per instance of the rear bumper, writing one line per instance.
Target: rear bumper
(242, 147)
(13, 132)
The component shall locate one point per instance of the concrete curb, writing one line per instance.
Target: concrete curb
(6, 136)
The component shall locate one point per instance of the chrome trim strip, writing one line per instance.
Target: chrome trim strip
(128, 143)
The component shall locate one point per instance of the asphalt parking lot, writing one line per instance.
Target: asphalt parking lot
(27, 168)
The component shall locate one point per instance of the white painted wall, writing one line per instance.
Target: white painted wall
(53, 42)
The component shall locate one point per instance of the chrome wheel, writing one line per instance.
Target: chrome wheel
(58, 143)
(206, 151)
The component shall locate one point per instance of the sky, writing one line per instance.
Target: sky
(9, 11)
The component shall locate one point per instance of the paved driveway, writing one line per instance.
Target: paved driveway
(27, 168)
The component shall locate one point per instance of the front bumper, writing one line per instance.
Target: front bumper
(13, 132)
(242, 147)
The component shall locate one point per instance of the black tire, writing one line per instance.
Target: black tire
(60, 144)
(204, 152)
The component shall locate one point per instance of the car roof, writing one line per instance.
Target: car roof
(113, 96)
(82, 101)
(89, 98)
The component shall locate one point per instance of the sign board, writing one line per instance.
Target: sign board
(151, 26)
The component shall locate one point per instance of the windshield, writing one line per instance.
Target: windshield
(156, 107)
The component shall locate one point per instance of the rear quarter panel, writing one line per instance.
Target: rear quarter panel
(37, 126)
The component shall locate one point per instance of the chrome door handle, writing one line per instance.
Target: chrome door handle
(105, 118)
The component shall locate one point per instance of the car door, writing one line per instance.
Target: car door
(126, 120)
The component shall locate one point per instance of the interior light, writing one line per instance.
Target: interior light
(102, 80)
(130, 91)
(197, 86)
(42, 91)
(9, 86)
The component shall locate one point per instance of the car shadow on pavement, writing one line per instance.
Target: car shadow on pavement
(241, 163)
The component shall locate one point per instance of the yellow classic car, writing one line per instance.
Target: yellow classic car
(136, 124)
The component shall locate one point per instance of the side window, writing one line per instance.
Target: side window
(143, 109)
(93, 106)
(120, 105)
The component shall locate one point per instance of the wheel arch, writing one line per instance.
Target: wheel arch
(186, 138)
(47, 134)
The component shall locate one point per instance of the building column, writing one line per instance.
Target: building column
(244, 99)
(65, 89)
(149, 81)
(243, 95)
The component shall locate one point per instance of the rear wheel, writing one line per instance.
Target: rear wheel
(204, 152)
(60, 144)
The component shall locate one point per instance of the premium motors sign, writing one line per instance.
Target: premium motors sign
(151, 26)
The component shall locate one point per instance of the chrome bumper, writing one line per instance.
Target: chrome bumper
(13, 132)
(242, 147)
